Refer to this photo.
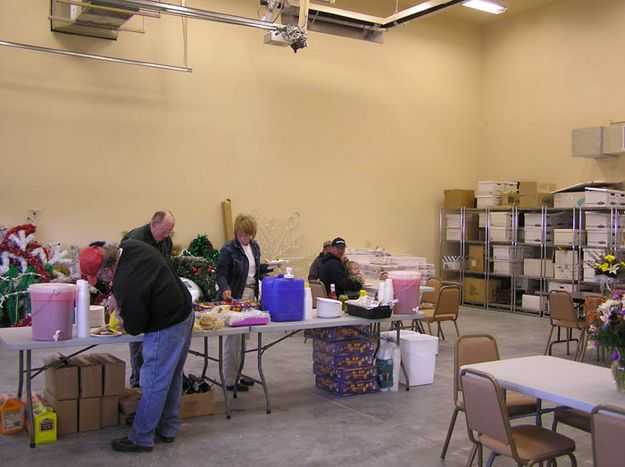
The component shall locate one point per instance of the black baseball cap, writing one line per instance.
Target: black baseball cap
(338, 242)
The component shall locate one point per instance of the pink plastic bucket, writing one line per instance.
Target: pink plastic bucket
(406, 286)
(52, 307)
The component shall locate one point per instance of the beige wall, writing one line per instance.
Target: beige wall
(359, 138)
(545, 73)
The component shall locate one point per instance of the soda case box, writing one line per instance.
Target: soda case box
(343, 362)
(342, 333)
(345, 375)
(61, 379)
(364, 346)
(348, 388)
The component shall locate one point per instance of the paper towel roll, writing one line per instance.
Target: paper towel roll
(82, 308)
(96, 316)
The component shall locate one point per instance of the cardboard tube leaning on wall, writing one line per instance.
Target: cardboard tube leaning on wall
(226, 209)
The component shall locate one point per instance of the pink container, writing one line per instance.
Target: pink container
(52, 307)
(406, 286)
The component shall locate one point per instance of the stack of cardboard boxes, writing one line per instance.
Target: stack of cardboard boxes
(84, 391)
(490, 193)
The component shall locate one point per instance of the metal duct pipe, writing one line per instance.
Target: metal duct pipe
(94, 57)
(188, 12)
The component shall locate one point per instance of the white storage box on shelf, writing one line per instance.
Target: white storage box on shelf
(566, 257)
(510, 253)
(591, 255)
(454, 221)
(552, 219)
(532, 267)
(589, 274)
(488, 201)
(565, 237)
(500, 234)
(453, 234)
(602, 220)
(452, 263)
(532, 302)
(559, 286)
(535, 236)
(572, 199)
(600, 238)
(497, 188)
(566, 272)
(602, 198)
(497, 219)
(418, 353)
(507, 267)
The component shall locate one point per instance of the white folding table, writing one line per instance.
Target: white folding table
(578, 385)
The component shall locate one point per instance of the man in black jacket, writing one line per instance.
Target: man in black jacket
(333, 271)
(157, 234)
(151, 300)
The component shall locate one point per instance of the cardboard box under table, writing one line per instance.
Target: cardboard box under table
(61, 378)
(89, 376)
(113, 373)
(197, 404)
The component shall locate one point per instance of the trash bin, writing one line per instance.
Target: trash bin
(418, 352)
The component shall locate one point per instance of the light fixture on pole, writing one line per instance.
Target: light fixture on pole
(489, 6)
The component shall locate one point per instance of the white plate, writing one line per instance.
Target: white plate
(113, 333)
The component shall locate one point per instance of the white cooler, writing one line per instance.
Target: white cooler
(418, 352)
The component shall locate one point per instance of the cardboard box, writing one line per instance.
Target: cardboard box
(530, 188)
(113, 373)
(533, 302)
(61, 379)
(531, 267)
(475, 289)
(476, 258)
(109, 411)
(510, 199)
(568, 237)
(536, 200)
(66, 414)
(195, 405)
(129, 401)
(89, 376)
(89, 414)
(456, 199)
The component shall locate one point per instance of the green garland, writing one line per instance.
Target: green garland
(198, 264)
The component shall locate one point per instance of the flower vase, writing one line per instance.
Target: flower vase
(618, 369)
(605, 283)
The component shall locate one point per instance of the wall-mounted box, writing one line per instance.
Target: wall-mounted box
(614, 139)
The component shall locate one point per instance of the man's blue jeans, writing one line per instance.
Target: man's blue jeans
(164, 355)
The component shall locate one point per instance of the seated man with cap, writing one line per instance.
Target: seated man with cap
(313, 272)
(333, 270)
(151, 300)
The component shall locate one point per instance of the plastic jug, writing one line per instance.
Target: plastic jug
(11, 415)
(283, 298)
(406, 286)
(52, 307)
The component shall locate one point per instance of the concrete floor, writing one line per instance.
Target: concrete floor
(307, 426)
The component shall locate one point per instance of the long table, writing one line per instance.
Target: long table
(578, 385)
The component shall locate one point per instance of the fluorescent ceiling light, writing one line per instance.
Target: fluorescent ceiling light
(489, 6)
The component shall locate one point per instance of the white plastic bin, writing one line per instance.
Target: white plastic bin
(418, 352)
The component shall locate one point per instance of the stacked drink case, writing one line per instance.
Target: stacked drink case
(343, 360)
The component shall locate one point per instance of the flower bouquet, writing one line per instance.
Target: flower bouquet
(607, 268)
(607, 329)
